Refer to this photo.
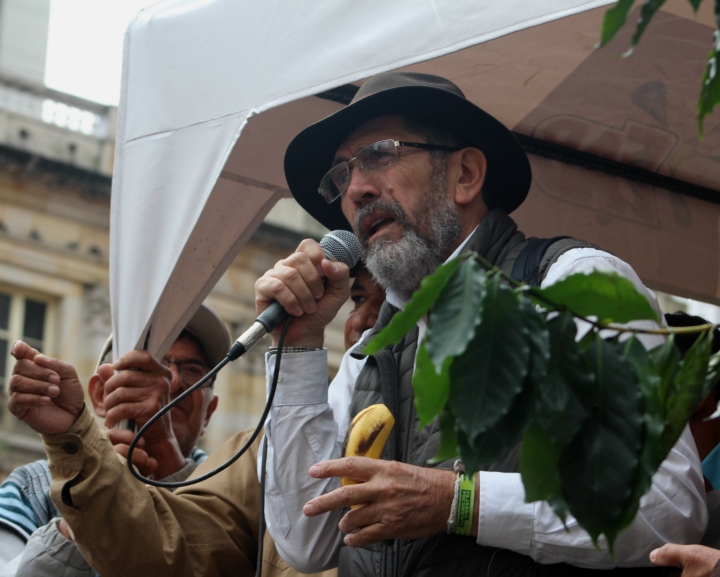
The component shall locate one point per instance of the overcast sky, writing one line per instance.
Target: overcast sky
(84, 55)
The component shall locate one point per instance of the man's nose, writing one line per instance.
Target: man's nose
(362, 187)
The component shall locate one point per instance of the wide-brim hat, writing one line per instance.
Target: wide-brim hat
(310, 154)
(207, 327)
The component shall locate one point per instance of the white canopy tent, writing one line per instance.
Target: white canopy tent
(213, 91)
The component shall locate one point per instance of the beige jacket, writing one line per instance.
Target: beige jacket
(124, 528)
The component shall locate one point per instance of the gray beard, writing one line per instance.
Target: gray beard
(401, 265)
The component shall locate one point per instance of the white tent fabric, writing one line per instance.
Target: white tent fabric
(214, 90)
(194, 72)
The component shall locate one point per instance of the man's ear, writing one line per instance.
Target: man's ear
(470, 171)
(96, 390)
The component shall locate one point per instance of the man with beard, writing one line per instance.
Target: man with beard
(423, 175)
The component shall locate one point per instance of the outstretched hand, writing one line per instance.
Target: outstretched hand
(399, 501)
(45, 393)
(694, 560)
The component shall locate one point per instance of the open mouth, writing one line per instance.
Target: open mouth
(375, 224)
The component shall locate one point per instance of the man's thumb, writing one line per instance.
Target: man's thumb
(669, 555)
(21, 350)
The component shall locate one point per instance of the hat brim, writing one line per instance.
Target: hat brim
(310, 154)
(206, 326)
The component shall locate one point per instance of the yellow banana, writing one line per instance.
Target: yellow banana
(366, 436)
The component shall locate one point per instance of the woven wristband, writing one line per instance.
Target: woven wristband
(466, 505)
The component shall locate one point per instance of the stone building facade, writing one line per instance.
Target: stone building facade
(55, 167)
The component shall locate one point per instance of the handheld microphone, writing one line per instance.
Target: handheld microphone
(339, 246)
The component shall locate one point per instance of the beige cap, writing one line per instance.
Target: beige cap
(207, 327)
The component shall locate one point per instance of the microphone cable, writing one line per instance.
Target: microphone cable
(231, 356)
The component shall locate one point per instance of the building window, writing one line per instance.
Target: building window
(23, 316)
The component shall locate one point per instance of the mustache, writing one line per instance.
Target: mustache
(388, 206)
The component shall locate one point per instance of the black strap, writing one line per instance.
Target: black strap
(527, 264)
(387, 367)
(389, 382)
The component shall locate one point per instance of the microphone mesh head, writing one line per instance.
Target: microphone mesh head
(341, 246)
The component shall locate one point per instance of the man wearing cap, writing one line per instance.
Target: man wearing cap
(420, 174)
(142, 385)
(181, 543)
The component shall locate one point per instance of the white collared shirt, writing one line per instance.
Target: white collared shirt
(308, 422)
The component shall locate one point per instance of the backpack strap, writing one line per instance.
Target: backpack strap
(527, 264)
(539, 254)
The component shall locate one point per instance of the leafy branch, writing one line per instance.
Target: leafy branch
(502, 363)
(542, 298)
(615, 19)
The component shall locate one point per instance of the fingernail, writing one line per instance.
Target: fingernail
(334, 266)
(309, 509)
(12, 349)
(53, 391)
(314, 470)
(653, 554)
(54, 379)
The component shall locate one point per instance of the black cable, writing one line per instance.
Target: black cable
(200, 383)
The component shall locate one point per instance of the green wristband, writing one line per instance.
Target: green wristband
(466, 505)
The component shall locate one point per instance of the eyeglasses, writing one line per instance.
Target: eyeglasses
(374, 158)
(190, 372)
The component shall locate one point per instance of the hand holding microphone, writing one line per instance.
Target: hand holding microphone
(312, 283)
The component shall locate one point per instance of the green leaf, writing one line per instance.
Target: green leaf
(646, 13)
(652, 454)
(538, 340)
(490, 446)
(431, 389)
(539, 465)
(710, 84)
(486, 378)
(614, 19)
(647, 374)
(666, 358)
(559, 410)
(448, 438)
(686, 390)
(420, 303)
(598, 467)
(605, 295)
(539, 470)
(458, 311)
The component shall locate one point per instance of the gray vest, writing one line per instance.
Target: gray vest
(387, 378)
